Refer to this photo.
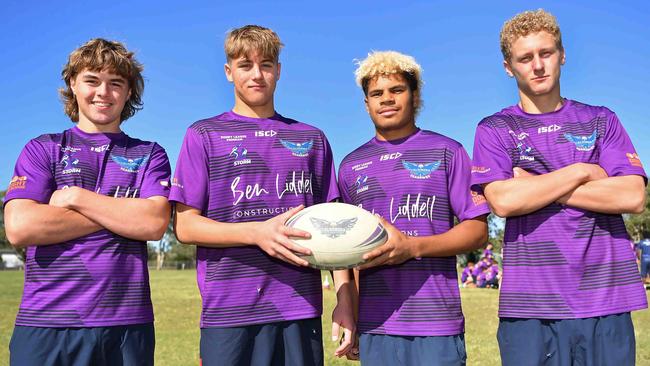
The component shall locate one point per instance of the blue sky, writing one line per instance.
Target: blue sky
(180, 44)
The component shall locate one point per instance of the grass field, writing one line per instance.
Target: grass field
(177, 308)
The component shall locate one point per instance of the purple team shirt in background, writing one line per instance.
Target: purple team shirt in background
(582, 261)
(100, 279)
(239, 169)
(419, 184)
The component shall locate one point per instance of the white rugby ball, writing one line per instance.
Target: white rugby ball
(340, 234)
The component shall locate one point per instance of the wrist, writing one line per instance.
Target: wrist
(415, 247)
(74, 198)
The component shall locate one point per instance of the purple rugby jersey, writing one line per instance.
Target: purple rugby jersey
(240, 169)
(419, 184)
(100, 279)
(582, 262)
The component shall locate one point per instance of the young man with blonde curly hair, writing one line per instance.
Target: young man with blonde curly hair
(562, 173)
(71, 203)
(417, 181)
(239, 177)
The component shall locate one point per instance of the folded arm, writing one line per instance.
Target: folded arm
(134, 218)
(525, 194)
(613, 195)
(28, 222)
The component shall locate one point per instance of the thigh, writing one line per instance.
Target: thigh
(531, 342)
(227, 346)
(605, 341)
(377, 350)
(302, 343)
(53, 346)
(128, 345)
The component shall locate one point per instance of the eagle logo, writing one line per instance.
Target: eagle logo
(130, 165)
(421, 170)
(298, 148)
(583, 143)
(333, 229)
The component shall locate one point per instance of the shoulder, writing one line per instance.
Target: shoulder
(440, 141)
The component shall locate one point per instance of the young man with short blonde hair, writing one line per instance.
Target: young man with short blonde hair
(239, 177)
(562, 173)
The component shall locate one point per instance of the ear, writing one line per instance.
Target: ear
(416, 99)
(73, 85)
(228, 71)
(563, 58)
(278, 73)
(506, 66)
(365, 100)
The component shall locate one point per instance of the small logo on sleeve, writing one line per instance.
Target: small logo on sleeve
(177, 183)
(17, 182)
(583, 143)
(477, 198)
(480, 169)
(300, 149)
(634, 159)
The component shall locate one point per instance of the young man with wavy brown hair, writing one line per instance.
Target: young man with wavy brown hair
(72, 203)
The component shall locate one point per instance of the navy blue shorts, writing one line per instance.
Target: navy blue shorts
(111, 346)
(295, 342)
(389, 350)
(599, 341)
(645, 267)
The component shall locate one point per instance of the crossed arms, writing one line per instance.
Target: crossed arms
(76, 212)
(579, 185)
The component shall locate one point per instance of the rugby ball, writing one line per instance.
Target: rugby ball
(340, 234)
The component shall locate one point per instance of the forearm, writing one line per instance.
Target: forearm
(192, 228)
(42, 224)
(523, 195)
(467, 236)
(134, 218)
(613, 195)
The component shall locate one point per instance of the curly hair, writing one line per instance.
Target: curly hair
(526, 23)
(385, 63)
(250, 38)
(96, 55)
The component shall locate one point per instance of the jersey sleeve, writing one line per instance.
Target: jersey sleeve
(155, 181)
(465, 203)
(617, 154)
(491, 161)
(190, 179)
(330, 188)
(33, 177)
(343, 185)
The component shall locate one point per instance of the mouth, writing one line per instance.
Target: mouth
(540, 78)
(388, 112)
(257, 87)
(102, 104)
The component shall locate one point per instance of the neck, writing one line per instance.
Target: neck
(264, 111)
(539, 104)
(89, 127)
(390, 135)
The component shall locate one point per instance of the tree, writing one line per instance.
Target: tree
(638, 226)
(4, 242)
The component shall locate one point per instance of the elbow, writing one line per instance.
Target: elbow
(16, 235)
(502, 209)
(157, 229)
(637, 204)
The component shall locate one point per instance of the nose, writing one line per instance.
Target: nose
(102, 89)
(387, 98)
(257, 71)
(538, 64)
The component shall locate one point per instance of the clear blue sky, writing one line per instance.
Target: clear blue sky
(180, 44)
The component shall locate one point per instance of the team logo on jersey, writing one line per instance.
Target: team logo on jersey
(525, 152)
(333, 229)
(298, 148)
(17, 182)
(361, 183)
(130, 165)
(69, 164)
(240, 154)
(480, 169)
(634, 159)
(520, 136)
(421, 170)
(583, 143)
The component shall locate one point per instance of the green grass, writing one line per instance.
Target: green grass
(177, 307)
